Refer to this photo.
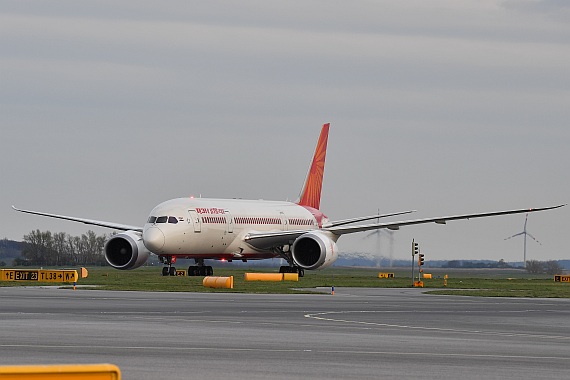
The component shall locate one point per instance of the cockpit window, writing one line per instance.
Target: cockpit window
(152, 219)
(172, 220)
(161, 219)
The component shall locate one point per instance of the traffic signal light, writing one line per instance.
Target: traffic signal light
(415, 248)
(420, 259)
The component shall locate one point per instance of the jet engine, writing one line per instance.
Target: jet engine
(126, 251)
(316, 249)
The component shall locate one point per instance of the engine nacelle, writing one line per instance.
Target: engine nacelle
(126, 251)
(314, 250)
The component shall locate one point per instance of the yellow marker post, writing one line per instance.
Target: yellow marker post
(61, 372)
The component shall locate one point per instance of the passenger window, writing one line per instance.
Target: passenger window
(172, 220)
(161, 219)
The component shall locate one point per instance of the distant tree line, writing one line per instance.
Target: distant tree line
(548, 267)
(61, 249)
(477, 264)
(532, 266)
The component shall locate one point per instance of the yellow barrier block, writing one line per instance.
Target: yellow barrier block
(427, 275)
(61, 372)
(290, 276)
(263, 276)
(218, 282)
(385, 275)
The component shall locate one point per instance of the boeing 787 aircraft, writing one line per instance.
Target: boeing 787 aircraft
(236, 229)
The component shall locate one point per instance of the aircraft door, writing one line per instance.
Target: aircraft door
(229, 221)
(284, 222)
(194, 218)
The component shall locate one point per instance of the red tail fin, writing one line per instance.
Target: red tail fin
(311, 194)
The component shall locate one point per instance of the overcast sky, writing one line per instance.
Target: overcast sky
(108, 108)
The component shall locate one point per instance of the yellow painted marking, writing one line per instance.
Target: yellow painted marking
(61, 372)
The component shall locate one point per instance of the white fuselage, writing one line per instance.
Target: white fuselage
(215, 228)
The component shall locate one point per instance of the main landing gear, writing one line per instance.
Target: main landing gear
(205, 270)
(285, 253)
(195, 270)
(200, 269)
(292, 269)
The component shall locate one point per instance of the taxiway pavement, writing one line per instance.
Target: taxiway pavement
(357, 333)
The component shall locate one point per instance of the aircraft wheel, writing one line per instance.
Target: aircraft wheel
(165, 271)
(209, 271)
(192, 270)
(172, 271)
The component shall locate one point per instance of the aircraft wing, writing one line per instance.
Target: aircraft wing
(115, 226)
(268, 240)
(342, 230)
(363, 218)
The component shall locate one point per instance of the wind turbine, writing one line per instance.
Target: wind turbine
(525, 233)
(378, 233)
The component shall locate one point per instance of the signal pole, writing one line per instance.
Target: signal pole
(415, 251)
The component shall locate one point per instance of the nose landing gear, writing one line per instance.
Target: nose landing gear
(169, 270)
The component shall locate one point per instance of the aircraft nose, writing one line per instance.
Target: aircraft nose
(153, 239)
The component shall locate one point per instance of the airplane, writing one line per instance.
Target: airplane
(236, 229)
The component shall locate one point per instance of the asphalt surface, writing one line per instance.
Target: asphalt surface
(357, 333)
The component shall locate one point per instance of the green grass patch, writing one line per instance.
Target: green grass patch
(488, 283)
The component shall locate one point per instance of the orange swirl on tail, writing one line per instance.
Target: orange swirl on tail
(311, 194)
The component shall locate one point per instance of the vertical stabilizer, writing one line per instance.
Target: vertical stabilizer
(311, 193)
